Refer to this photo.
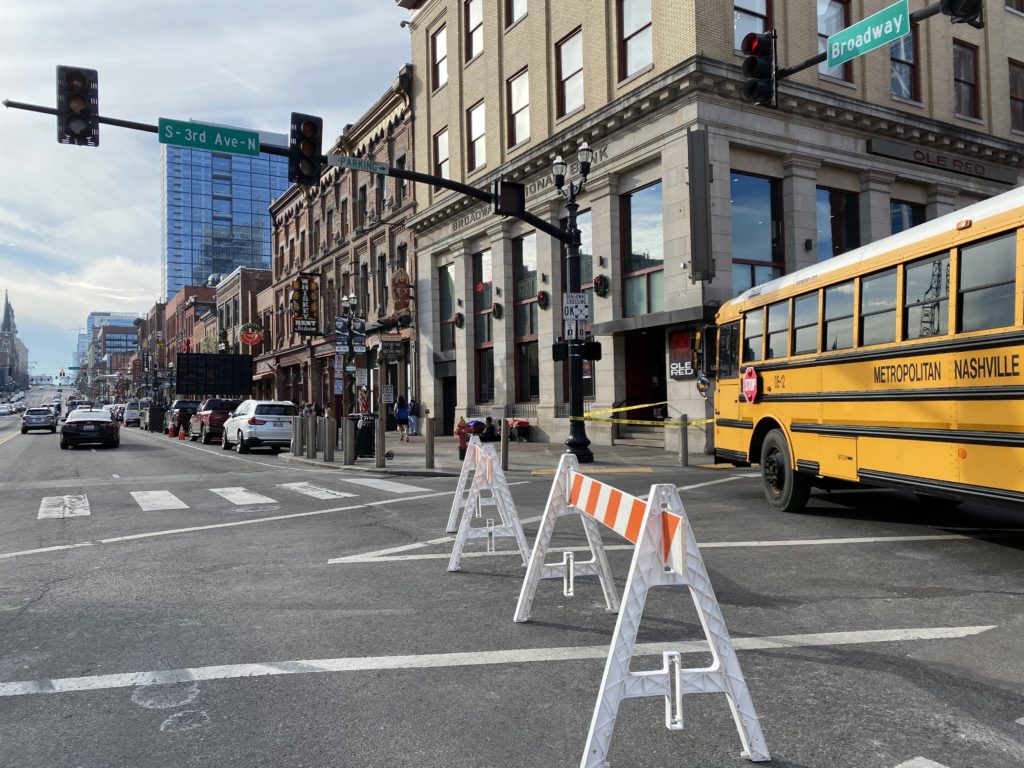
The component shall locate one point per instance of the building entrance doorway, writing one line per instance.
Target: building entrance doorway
(449, 399)
(645, 374)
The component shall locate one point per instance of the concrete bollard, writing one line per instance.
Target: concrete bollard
(428, 436)
(298, 432)
(684, 442)
(504, 444)
(348, 441)
(310, 437)
(330, 431)
(379, 447)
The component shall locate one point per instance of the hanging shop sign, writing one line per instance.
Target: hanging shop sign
(305, 304)
(251, 334)
(681, 355)
(391, 348)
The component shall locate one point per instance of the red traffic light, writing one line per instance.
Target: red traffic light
(77, 106)
(756, 44)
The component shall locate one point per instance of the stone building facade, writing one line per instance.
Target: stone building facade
(900, 135)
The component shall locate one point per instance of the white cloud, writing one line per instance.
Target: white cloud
(66, 211)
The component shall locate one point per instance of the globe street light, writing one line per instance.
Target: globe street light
(578, 444)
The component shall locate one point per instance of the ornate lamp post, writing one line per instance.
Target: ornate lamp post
(578, 444)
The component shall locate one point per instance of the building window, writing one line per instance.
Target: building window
(756, 230)
(833, 16)
(805, 324)
(878, 308)
(483, 325)
(514, 11)
(439, 58)
(570, 73)
(361, 207)
(965, 80)
(643, 256)
(382, 284)
(441, 153)
(926, 297)
(636, 37)
(987, 276)
(839, 317)
(1015, 5)
(905, 215)
(903, 67)
(401, 188)
(518, 108)
(778, 330)
(753, 336)
(476, 148)
(748, 16)
(474, 28)
(526, 318)
(446, 283)
(838, 215)
(1017, 95)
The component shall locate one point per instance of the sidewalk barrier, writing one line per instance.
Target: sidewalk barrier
(487, 477)
(560, 503)
(462, 489)
(666, 554)
(298, 431)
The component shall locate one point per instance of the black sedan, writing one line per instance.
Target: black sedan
(90, 426)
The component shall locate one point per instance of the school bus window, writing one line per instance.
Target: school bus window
(778, 330)
(753, 335)
(805, 324)
(926, 297)
(878, 308)
(986, 279)
(839, 316)
(728, 347)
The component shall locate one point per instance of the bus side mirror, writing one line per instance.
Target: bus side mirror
(703, 385)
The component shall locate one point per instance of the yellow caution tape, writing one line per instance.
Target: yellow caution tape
(627, 408)
(641, 422)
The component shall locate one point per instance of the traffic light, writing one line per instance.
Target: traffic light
(305, 149)
(78, 106)
(509, 198)
(760, 69)
(962, 11)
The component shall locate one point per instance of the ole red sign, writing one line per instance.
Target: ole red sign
(750, 385)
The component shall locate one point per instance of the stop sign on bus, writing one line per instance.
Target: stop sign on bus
(750, 384)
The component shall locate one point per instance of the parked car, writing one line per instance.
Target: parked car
(207, 424)
(132, 413)
(6, 410)
(259, 423)
(38, 418)
(180, 412)
(90, 426)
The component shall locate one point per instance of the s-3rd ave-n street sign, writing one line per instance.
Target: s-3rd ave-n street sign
(878, 29)
(357, 164)
(234, 141)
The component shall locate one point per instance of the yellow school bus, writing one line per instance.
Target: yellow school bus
(898, 364)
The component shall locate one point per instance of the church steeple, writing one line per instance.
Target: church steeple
(8, 325)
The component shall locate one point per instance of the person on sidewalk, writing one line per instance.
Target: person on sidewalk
(462, 432)
(490, 434)
(414, 415)
(402, 418)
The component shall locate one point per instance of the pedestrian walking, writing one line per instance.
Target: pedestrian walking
(402, 418)
(414, 415)
(462, 432)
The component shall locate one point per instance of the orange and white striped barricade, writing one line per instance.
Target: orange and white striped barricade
(487, 487)
(462, 489)
(561, 502)
(666, 554)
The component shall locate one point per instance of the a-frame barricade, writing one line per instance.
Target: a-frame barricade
(666, 554)
(487, 486)
(560, 505)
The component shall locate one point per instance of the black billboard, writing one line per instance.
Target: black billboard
(208, 375)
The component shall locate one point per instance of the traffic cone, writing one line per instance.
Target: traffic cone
(181, 433)
(170, 430)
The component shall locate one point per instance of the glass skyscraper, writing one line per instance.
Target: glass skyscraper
(216, 214)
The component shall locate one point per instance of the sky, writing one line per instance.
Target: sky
(80, 226)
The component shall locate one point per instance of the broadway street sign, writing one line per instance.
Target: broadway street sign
(882, 28)
(182, 133)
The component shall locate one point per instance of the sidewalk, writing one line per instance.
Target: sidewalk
(410, 458)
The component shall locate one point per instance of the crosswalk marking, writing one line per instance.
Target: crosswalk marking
(920, 762)
(242, 496)
(307, 489)
(151, 501)
(385, 485)
(63, 506)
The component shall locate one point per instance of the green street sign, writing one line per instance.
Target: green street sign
(72, 368)
(882, 28)
(357, 164)
(212, 137)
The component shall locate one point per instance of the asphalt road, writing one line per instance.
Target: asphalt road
(221, 610)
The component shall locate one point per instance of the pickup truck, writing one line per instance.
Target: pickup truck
(207, 424)
(180, 412)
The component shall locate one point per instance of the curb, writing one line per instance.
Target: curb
(288, 458)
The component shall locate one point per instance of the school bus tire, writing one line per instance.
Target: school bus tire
(785, 489)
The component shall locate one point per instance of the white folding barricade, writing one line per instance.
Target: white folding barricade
(559, 505)
(487, 487)
(667, 554)
(465, 479)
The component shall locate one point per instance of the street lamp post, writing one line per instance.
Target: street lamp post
(578, 444)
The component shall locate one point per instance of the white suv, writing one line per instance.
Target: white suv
(258, 423)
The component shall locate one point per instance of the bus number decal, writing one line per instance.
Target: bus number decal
(779, 381)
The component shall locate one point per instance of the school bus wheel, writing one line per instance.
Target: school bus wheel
(785, 489)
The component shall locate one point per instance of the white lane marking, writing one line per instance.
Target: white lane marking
(384, 485)
(151, 501)
(240, 496)
(388, 556)
(63, 506)
(920, 762)
(233, 524)
(469, 659)
(308, 489)
(116, 477)
(714, 482)
(1020, 722)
